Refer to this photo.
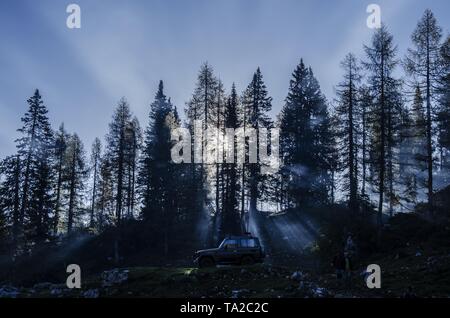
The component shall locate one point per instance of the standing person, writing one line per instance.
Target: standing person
(349, 257)
(348, 269)
(350, 247)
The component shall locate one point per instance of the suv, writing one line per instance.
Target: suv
(242, 250)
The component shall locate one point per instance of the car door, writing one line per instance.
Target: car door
(249, 246)
(228, 251)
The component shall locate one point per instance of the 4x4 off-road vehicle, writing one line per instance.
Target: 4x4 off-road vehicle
(238, 250)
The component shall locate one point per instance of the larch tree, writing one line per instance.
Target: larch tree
(348, 111)
(95, 162)
(444, 112)
(75, 178)
(423, 62)
(381, 62)
(61, 137)
(116, 152)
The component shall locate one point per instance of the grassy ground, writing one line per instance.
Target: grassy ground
(427, 275)
(414, 256)
(249, 281)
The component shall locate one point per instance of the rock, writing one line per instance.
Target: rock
(56, 291)
(114, 277)
(91, 293)
(9, 292)
(236, 294)
(319, 292)
(297, 276)
(431, 261)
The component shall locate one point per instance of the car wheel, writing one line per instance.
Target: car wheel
(247, 260)
(206, 262)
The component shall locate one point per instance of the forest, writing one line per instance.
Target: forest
(373, 161)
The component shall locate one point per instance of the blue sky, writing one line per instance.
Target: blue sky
(125, 47)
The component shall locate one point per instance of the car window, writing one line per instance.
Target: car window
(248, 243)
(230, 243)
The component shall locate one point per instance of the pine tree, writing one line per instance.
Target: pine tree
(155, 136)
(231, 222)
(306, 140)
(157, 172)
(424, 63)
(35, 150)
(255, 107)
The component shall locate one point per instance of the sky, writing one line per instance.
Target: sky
(124, 48)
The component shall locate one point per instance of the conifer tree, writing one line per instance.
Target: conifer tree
(231, 222)
(157, 172)
(96, 156)
(381, 62)
(348, 114)
(75, 178)
(444, 112)
(306, 140)
(10, 185)
(34, 148)
(423, 62)
(61, 137)
(116, 152)
(256, 103)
